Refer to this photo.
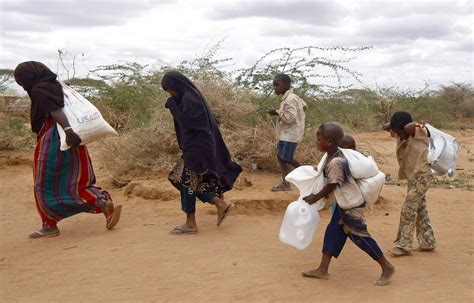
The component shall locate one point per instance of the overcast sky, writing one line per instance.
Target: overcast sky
(413, 41)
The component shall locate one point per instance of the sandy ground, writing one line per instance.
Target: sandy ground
(242, 260)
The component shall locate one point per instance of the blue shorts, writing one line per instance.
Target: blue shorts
(286, 150)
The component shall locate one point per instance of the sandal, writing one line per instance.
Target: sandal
(398, 252)
(183, 229)
(221, 217)
(114, 217)
(281, 187)
(425, 248)
(44, 232)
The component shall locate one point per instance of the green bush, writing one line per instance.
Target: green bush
(431, 110)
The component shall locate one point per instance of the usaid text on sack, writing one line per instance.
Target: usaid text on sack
(88, 118)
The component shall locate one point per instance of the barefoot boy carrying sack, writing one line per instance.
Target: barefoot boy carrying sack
(348, 218)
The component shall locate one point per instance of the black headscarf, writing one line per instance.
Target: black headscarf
(45, 92)
(197, 132)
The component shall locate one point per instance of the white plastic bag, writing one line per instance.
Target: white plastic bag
(307, 180)
(359, 165)
(301, 219)
(84, 118)
(443, 151)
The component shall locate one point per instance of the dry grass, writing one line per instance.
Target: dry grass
(15, 132)
(151, 147)
(249, 137)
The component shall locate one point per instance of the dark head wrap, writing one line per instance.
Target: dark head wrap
(197, 132)
(181, 84)
(178, 82)
(45, 92)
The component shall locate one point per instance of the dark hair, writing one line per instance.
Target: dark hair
(333, 131)
(348, 142)
(284, 78)
(399, 120)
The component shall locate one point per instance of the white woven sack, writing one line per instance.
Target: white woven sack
(371, 188)
(84, 118)
(360, 166)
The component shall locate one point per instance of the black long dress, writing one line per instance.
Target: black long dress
(205, 157)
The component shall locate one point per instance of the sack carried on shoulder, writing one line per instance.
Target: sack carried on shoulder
(84, 118)
(359, 165)
(365, 172)
(372, 186)
(443, 151)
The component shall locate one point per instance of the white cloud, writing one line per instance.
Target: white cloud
(75, 13)
(403, 8)
(315, 12)
(411, 27)
(412, 40)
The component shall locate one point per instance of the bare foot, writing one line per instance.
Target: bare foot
(386, 275)
(316, 273)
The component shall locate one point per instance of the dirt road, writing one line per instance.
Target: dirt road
(242, 260)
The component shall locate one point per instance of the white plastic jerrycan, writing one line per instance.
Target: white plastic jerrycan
(301, 219)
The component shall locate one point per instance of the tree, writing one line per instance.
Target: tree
(6, 78)
(314, 70)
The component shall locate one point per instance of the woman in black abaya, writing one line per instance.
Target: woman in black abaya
(205, 169)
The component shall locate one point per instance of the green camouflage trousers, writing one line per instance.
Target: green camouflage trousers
(414, 213)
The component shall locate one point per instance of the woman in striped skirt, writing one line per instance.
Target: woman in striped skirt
(63, 180)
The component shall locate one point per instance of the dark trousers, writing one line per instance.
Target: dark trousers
(188, 199)
(335, 238)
